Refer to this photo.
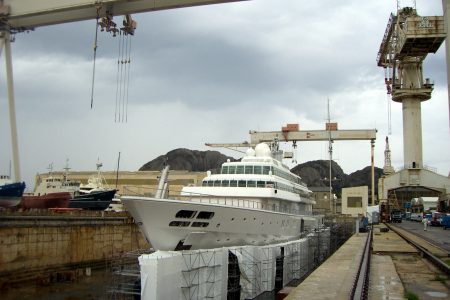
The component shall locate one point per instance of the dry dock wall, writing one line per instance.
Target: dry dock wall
(34, 243)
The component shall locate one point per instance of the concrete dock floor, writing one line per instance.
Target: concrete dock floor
(335, 277)
(388, 277)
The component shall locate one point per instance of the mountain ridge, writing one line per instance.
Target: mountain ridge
(314, 173)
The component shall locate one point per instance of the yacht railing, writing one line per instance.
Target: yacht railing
(212, 199)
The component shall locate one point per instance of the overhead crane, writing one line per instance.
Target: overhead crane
(24, 15)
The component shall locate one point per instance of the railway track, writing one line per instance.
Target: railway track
(436, 261)
(360, 289)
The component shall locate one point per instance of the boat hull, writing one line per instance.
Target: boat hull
(227, 225)
(99, 200)
(11, 194)
(53, 200)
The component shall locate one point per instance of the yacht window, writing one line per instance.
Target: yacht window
(204, 183)
(270, 184)
(205, 215)
(216, 182)
(225, 183)
(258, 170)
(225, 170)
(200, 224)
(251, 183)
(242, 183)
(261, 184)
(233, 182)
(266, 170)
(185, 214)
(231, 169)
(248, 169)
(210, 183)
(179, 223)
(239, 169)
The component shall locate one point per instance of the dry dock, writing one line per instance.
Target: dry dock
(37, 244)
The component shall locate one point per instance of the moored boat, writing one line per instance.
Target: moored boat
(255, 201)
(95, 195)
(91, 196)
(96, 200)
(10, 192)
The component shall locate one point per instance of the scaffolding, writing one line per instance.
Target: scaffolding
(202, 274)
(126, 275)
(242, 272)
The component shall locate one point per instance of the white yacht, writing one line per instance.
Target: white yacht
(254, 201)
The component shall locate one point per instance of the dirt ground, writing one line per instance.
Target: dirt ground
(420, 277)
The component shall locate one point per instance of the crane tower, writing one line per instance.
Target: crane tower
(408, 39)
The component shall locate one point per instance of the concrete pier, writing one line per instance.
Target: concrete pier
(335, 277)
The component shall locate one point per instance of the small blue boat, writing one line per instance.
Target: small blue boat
(10, 192)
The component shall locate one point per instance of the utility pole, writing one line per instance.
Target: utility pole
(330, 151)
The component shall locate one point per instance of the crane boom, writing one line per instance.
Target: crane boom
(312, 135)
(27, 14)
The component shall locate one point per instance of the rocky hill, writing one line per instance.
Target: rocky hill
(189, 160)
(314, 173)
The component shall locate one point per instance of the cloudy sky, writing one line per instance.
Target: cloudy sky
(211, 74)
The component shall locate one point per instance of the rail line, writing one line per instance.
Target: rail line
(436, 261)
(360, 289)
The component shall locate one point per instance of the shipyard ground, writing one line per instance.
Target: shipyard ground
(397, 269)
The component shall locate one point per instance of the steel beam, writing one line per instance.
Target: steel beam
(313, 135)
(27, 14)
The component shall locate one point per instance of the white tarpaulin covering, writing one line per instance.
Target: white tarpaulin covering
(370, 210)
(197, 274)
(203, 274)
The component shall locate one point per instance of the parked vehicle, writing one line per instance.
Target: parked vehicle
(422, 206)
(436, 218)
(408, 215)
(396, 216)
(445, 222)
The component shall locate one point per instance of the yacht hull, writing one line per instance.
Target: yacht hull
(168, 225)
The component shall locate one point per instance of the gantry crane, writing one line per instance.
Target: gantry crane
(292, 133)
(23, 15)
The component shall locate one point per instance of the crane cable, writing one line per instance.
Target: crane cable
(127, 77)
(123, 77)
(116, 113)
